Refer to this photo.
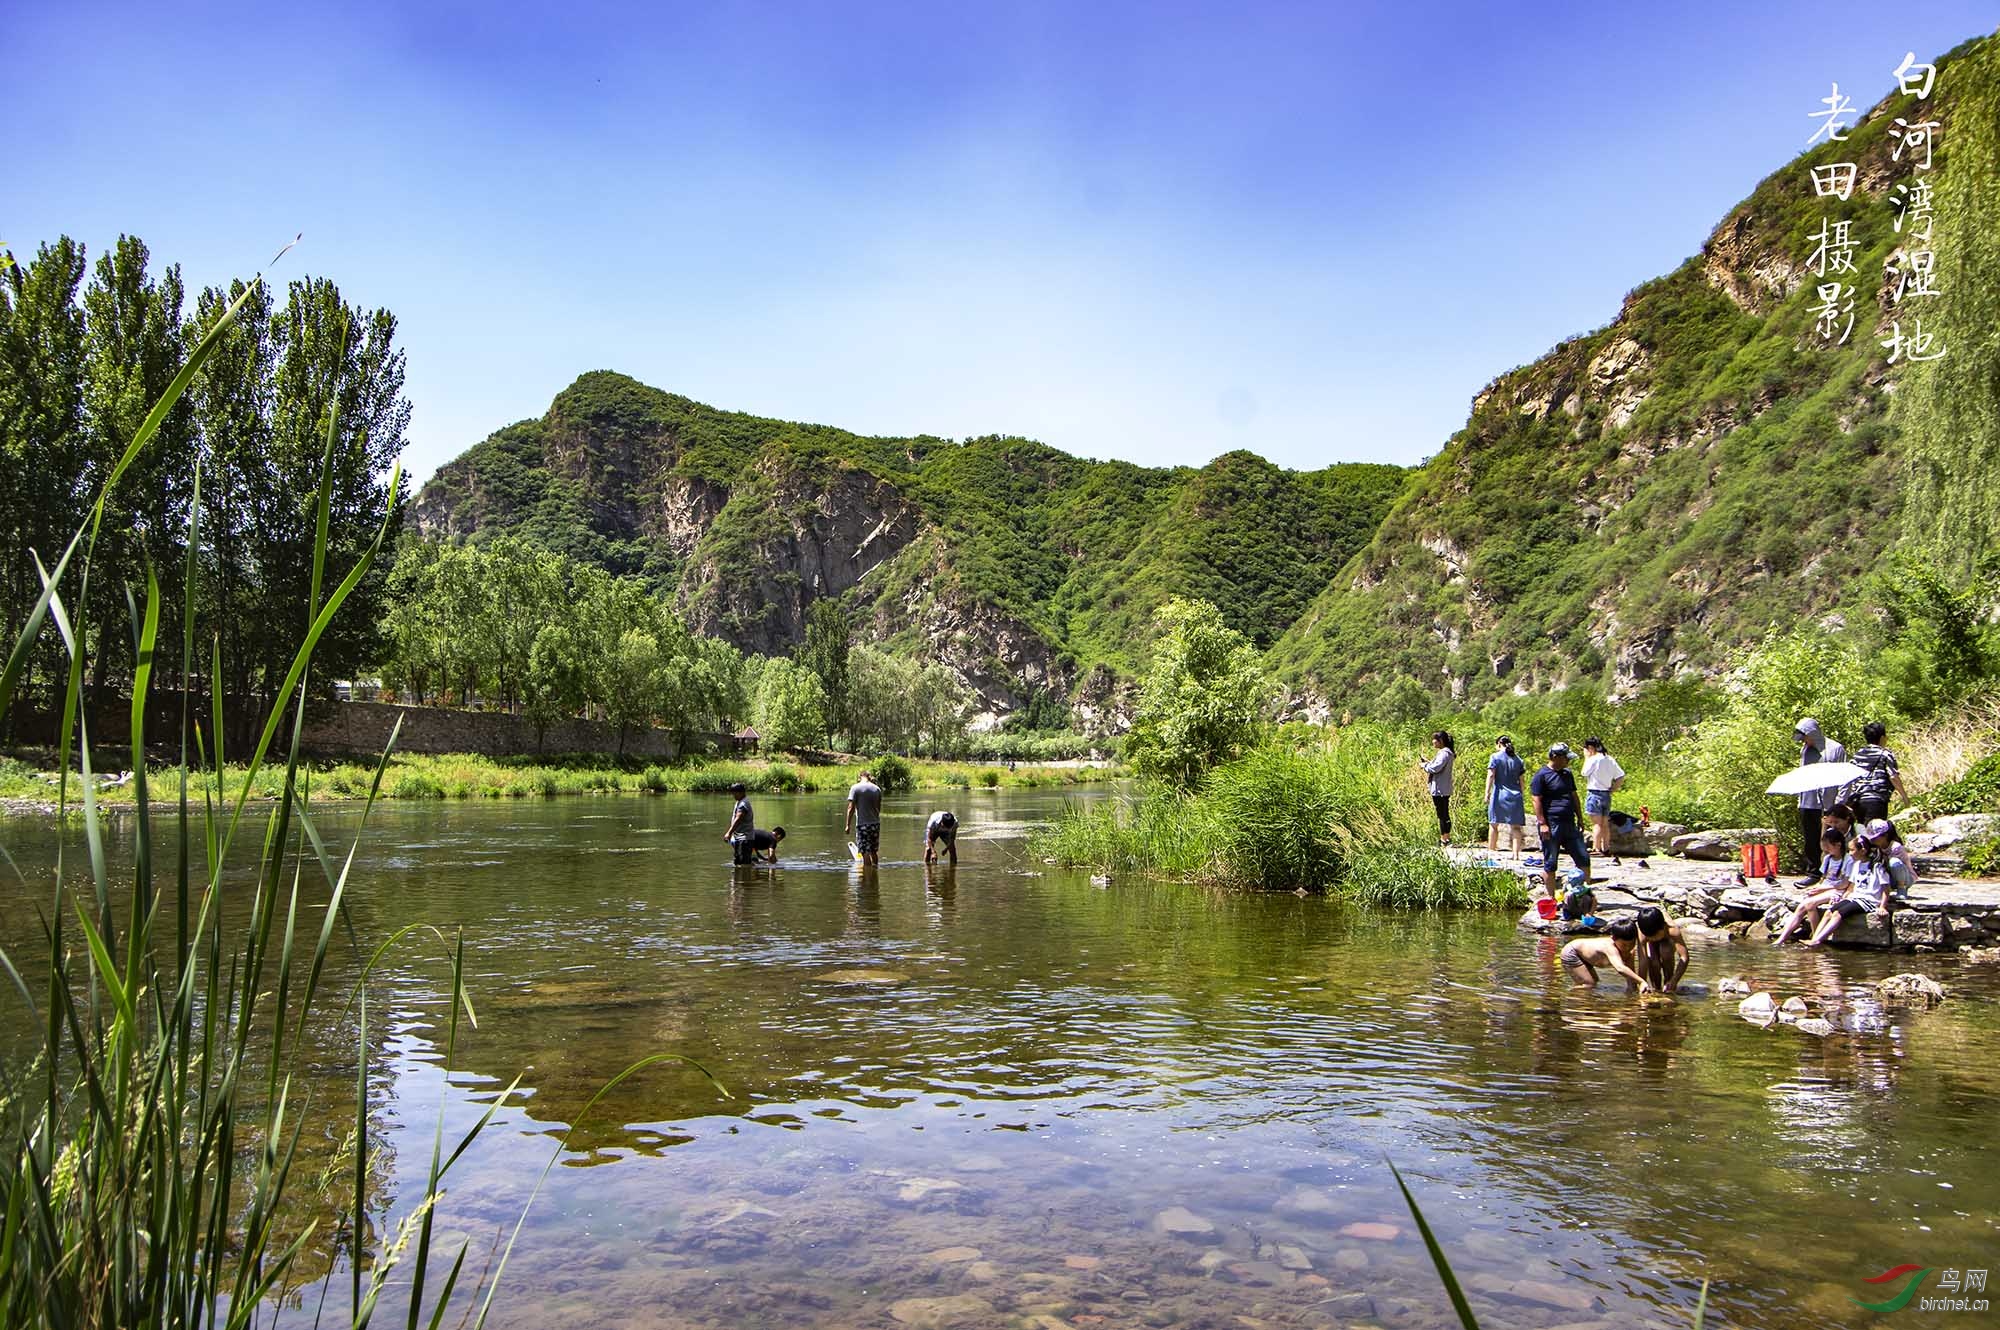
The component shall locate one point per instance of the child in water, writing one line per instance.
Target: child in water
(1582, 957)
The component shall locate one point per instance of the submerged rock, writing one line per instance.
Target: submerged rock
(932, 1312)
(1373, 1232)
(862, 977)
(1732, 985)
(1303, 1202)
(1180, 1222)
(952, 1255)
(1918, 990)
(915, 1191)
(1758, 1009)
(1815, 1025)
(1793, 1005)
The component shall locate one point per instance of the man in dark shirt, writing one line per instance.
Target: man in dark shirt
(1554, 791)
(764, 844)
(741, 823)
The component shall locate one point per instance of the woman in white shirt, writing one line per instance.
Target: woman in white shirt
(1601, 775)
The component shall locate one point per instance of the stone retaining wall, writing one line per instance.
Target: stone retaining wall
(361, 729)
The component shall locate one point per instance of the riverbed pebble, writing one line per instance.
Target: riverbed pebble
(1178, 1221)
(1373, 1232)
(932, 1312)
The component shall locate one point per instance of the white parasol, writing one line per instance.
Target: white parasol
(1816, 776)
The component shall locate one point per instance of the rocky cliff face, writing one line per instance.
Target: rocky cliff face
(786, 537)
(1019, 567)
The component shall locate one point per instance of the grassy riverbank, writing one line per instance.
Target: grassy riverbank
(26, 783)
(1337, 809)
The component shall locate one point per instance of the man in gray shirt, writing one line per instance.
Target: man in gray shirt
(864, 818)
(1814, 747)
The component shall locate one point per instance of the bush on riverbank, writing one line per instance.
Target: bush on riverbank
(1339, 810)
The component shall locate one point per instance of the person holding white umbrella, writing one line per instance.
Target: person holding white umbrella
(1814, 747)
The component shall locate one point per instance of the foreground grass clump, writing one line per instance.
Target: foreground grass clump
(1341, 811)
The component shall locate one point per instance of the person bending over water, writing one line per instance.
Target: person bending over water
(943, 826)
(1582, 957)
(1663, 950)
(764, 845)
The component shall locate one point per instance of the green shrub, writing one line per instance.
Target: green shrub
(415, 785)
(893, 774)
(1977, 791)
(990, 779)
(780, 779)
(655, 780)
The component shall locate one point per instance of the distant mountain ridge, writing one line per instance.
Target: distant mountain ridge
(1023, 568)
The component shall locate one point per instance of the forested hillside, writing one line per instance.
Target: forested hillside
(1019, 566)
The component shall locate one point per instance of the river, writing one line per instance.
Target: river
(981, 1096)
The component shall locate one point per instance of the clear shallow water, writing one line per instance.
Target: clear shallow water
(1062, 1066)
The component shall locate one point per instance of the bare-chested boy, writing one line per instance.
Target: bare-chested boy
(1582, 957)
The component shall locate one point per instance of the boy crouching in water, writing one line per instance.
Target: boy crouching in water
(1582, 957)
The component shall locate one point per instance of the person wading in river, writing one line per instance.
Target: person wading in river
(864, 819)
(1663, 950)
(741, 823)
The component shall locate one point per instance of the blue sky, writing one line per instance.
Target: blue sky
(1155, 232)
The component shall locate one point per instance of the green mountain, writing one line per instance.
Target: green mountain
(1022, 567)
(1644, 499)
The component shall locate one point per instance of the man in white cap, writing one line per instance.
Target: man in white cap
(1554, 792)
(1814, 747)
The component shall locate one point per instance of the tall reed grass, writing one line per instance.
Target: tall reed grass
(148, 1147)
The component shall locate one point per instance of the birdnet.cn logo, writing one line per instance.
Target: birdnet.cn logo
(1954, 1291)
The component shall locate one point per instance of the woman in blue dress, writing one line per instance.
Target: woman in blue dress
(1505, 806)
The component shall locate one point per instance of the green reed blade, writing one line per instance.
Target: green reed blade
(31, 631)
(1701, 1307)
(1451, 1288)
(450, 1283)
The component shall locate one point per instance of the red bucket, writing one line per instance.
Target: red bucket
(1546, 907)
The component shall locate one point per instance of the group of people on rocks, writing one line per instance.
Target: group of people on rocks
(1854, 859)
(749, 844)
(1559, 811)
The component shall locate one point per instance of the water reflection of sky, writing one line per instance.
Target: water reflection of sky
(1047, 1065)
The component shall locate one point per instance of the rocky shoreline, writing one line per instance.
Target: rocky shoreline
(1692, 877)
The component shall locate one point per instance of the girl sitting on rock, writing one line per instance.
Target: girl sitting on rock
(1834, 867)
(1874, 872)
